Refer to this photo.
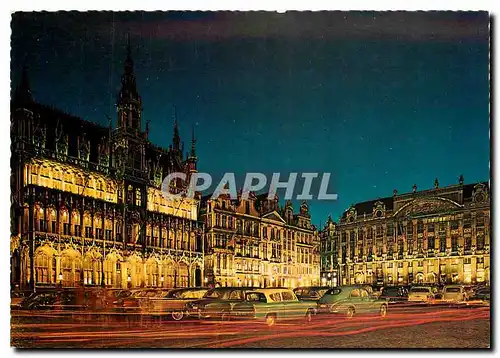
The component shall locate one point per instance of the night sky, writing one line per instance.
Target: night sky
(380, 100)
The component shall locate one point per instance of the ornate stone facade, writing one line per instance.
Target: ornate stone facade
(440, 235)
(253, 242)
(87, 207)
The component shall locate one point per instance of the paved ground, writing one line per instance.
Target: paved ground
(421, 327)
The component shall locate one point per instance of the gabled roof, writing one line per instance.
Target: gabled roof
(273, 215)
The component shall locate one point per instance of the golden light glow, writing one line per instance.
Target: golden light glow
(61, 176)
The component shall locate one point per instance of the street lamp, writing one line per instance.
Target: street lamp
(60, 276)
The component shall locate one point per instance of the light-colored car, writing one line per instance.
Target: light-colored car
(351, 300)
(454, 293)
(424, 294)
(270, 305)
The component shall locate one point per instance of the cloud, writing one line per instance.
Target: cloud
(326, 24)
(226, 25)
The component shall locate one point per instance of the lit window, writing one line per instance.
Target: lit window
(138, 197)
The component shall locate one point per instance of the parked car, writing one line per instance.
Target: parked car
(394, 294)
(481, 296)
(172, 303)
(54, 301)
(129, 300)
(423, 294)
(313, 293)
(350, 300)
(16, 298)
(272, 304)
(217, 302)
(454, 293)
(470, 291)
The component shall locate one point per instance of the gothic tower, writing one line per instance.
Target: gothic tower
(129, 140)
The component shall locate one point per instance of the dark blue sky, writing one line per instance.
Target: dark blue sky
(380, 100)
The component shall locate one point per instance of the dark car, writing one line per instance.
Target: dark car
(394, 294)
(172, 303)
(52, 301)
(16, 298)
(481, 296)
(217, 302)
(351, 300)
(313, 293)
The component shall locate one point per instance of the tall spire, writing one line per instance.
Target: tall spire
(128, 91)
(129, 64)
(129, 104)
(22, 93)
(176, 140)
(193, 144)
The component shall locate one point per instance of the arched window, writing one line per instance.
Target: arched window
(152, 273)
(75, 220)
(91, 270)
(40, 224)
(138, 198)
(42, 268)
(169, 274)
(52, 221)
(130, 192)
(183, 275)
(87, 223)
(67, 271)
(109, 266)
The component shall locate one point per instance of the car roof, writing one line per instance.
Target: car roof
(422, 287)
(232, 288)
(271, 290)
(314, 287)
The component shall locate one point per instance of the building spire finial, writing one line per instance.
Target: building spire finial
(176, 140)
(193, 143)
(23, 89)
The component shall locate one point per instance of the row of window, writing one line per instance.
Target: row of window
(431, 243)
(71, 270)
(418, 227)
(253, 229)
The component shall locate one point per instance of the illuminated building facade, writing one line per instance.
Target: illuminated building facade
(252, 242)
(87, 207)
(440, 235)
